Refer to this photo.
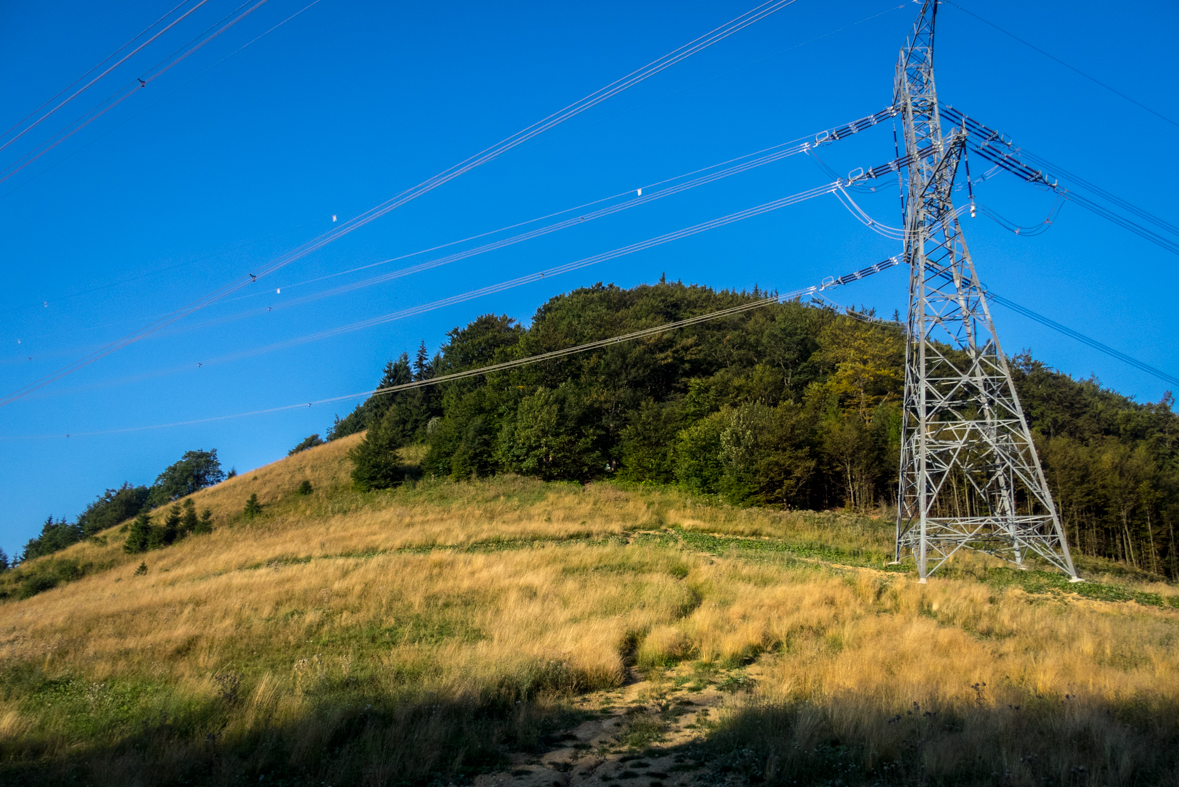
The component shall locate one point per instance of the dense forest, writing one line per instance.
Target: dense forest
(788, 405)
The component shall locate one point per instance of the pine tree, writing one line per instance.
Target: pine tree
(188, 522)
(378, 464)
(139, 539)
(3, 561)
(421, 364)
(253, 507)
(205, 525)
(172, 525)
(396, 373)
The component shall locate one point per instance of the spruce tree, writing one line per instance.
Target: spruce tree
(422, 368)
(205, 525)
(253, 507)
(378, 464)
(396, 373)
(3, 561)
(188, 521)
(172, 525)
(139, 539)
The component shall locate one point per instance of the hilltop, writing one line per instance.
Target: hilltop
(517, 631)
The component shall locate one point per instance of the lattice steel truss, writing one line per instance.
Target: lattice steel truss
(969, 473)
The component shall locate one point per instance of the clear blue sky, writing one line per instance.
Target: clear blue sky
(202, 177)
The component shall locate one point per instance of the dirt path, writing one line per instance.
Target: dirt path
(647, 734)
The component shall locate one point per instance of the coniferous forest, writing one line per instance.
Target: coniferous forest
(788, 405)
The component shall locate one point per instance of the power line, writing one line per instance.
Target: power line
(1083, 339)
(492, 289)
(87, 86)
(1001, 151)
(540, 275)
(11, 191)
(640, 199)
(593, 99)
(1093, 79)
(513, 364)
(765, 157)
(130, 89)
(1064, 330)
(61, 92)
(814, 290)
(640, 196)
(737, 68)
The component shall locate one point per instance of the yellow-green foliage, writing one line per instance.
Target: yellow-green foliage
(348, 637)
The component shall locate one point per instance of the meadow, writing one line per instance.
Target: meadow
(443, 632)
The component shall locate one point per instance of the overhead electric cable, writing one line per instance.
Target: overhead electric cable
(1083, 339)
(1047, 322)
(513, 364)
(764, 156)
(488, 290)
(1064, 330)
(576, 108)
(154, 104)
(834, 134)
(1009, 162)
(815, 290)
(1001, 151)
(1093, 79)
(538, 276)
(92, 69)
(129, 90)
(738, 68)
(122, 60)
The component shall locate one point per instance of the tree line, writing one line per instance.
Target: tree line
(789, 405)
(194, 471)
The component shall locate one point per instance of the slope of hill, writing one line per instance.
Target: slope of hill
(515, 631)
(781, 405)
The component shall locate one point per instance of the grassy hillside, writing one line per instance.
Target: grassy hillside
(515, 631)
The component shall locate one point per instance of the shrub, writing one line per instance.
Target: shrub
(305, 487)
(140, 537)
(308, 442)
(189, 521)
(204, 524)
(253, 507)
(47, 575)
(172, 525)
(142, 569)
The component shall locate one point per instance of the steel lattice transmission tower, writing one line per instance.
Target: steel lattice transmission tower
(969, 473)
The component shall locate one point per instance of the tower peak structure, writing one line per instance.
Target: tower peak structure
(969, 474)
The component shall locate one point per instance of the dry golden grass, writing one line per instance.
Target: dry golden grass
(359, 638)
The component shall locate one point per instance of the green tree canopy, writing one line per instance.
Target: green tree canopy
(195, 471)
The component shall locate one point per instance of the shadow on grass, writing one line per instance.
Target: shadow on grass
(370, 741)
(427, 741)
(1042, 741)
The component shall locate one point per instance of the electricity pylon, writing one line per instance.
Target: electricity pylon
(969, 473)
